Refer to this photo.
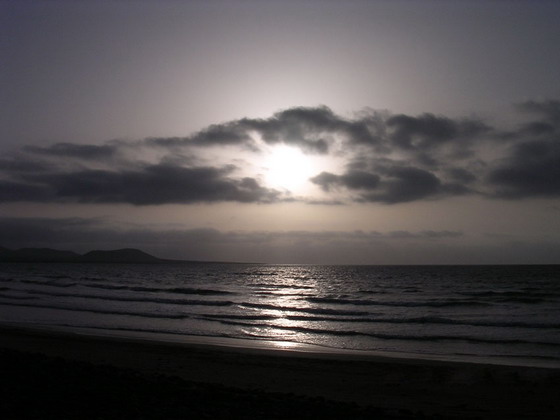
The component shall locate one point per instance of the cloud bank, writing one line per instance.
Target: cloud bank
(82, 234)
(334, 247)
(386, 158)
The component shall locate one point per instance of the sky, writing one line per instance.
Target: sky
(317, 132)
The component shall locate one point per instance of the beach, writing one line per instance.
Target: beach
(48, 373)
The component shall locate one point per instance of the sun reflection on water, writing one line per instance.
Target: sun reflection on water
(287, 345)
(281, 298)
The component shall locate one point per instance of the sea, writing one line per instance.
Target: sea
(489, 314)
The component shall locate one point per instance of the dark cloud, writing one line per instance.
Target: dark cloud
(302, 127)
(428, 131)
(391, 185)
(353, 180)
(81, 151)
(17, 191)
(167, 142)
(326, 180)
(549, 109)
(312, 129)
(23, 164)
(152, 184)
(223, 135)
(389, 159)
(546, 126)
(537, 128)
(227, 134)
(533, 170)
(461, 175)
(404, 184)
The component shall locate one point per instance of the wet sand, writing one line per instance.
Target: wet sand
(50, 374)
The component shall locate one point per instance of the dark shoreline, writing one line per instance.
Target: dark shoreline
(50, 374)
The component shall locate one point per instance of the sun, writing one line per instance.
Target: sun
(288, 168)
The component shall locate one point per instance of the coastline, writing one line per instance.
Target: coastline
(395, 387)
(280, 348)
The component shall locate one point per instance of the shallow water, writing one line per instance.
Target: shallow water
(502, 312)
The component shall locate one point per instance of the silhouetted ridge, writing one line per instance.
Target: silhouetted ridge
(127, 255)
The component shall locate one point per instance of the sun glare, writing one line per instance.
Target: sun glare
(288, 168)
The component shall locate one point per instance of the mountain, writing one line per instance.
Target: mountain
(128, 255)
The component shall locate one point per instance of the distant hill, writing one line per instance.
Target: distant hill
(127, 255)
